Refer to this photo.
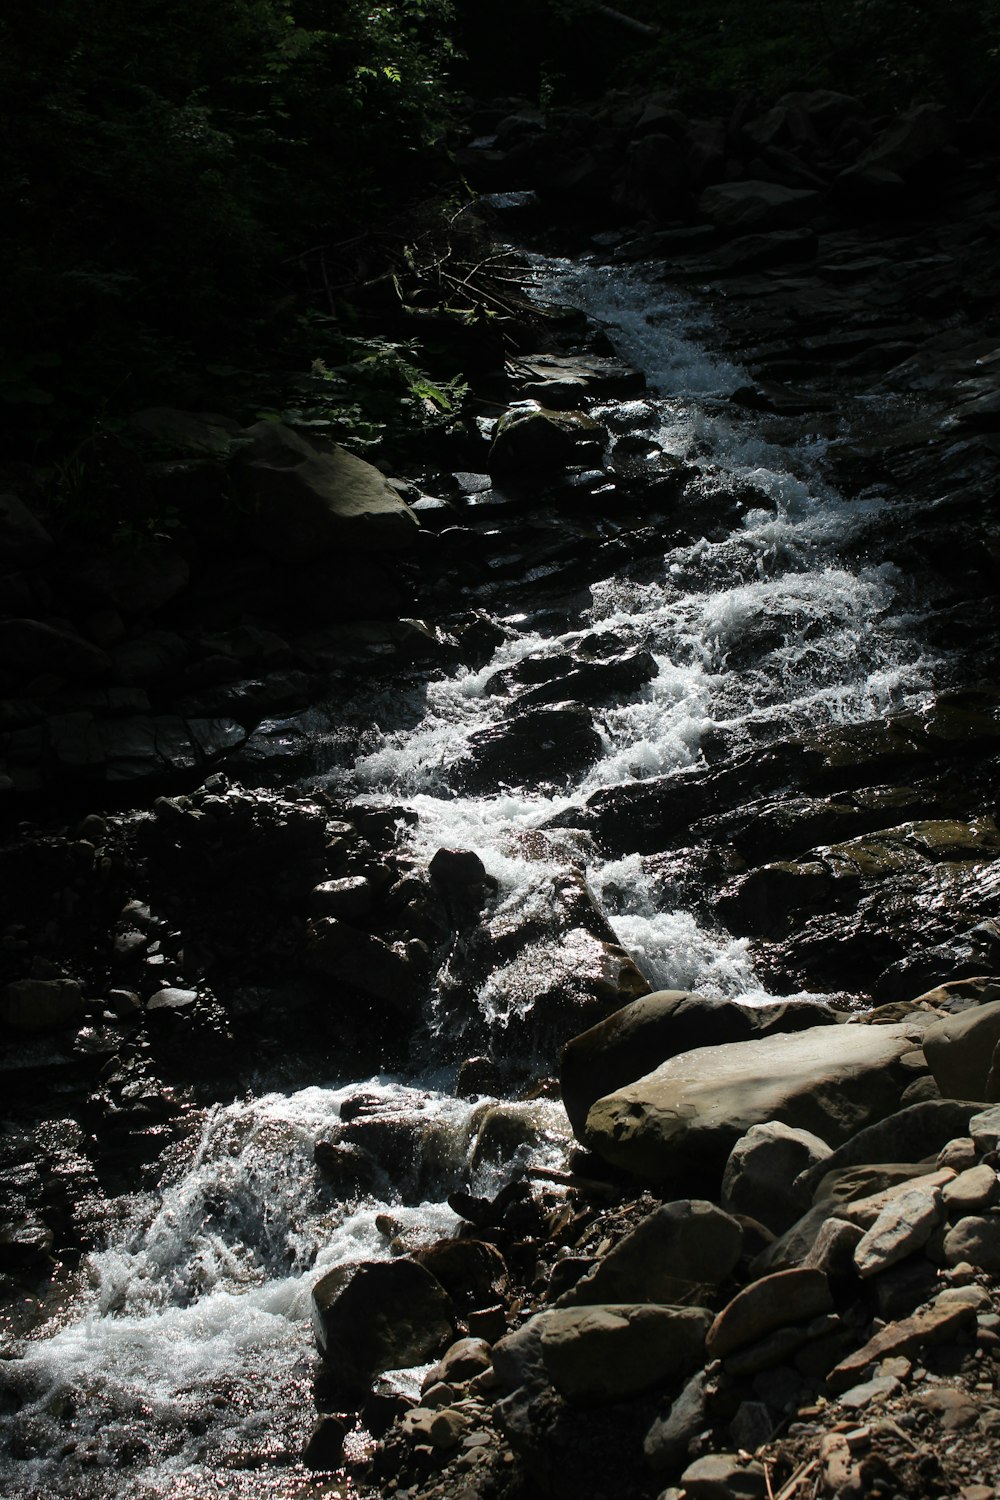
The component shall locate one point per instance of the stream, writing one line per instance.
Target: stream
(183, 1366)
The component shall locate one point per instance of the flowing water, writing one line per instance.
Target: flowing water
(184, 1365)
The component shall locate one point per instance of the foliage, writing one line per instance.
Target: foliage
(162, 166)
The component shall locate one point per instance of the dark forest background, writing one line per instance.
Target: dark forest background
(192, 194)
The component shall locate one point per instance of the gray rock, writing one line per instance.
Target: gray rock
(660, 1026)
(904, 1226)
(462, 1361)
(666, 1443)
(833, 1248)
(312, 498)
(724, 1476)
(187, 431)
(172, 999)
(762, 1168)
(975, 1239)
(960, 1048)
(379, 1315)
(972, 1192)
(677, 1247)
(984, 1128)
(609, 1352)
(687, 1115)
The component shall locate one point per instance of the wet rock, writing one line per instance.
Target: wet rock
(688, 1114)
(172, 999)
(760, 1174)
(507, 1129)
(558, 381)
(590, 682)
(347, 1168)
(379, 1315)
(608, 1353)
(959, 1050)
(325, 1446)
(672, 1252)
(657, 1027)
(541, 746)
(314, 497)
(363, 961)
(765, 1305)
(529, 442)
(473, 1272)
(351, 898)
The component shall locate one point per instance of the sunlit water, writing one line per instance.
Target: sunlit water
(187, 1368)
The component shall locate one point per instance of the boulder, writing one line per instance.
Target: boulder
(537, 747)
(311, 499)
(685, 1117)
(30, 649)
(29, 1005)
(23, 538)
(741, 207)
(202, 432)
(675, 1249)
(959, 1051)
(379, 1315)
(657, 1027)
(610, 1352)
(761, 1171)
(136, 579)
(666, 1443)
(530, 441)
(363, 961)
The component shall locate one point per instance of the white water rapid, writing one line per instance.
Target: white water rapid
(183, 1367)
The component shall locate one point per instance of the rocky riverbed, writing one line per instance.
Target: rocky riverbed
(632, 759)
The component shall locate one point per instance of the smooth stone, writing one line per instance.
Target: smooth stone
(972, 1191)
(772, 1302)
(610, 1352)
(379, 1315)
(724, 1476)
(959, 1050)
(984, 1128)
(666, 1443)
(974, 1239)
(907, 1135)
(687, 1115)
(762, 1167)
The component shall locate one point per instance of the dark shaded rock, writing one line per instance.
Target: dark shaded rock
(749, 205)
(680, 1247)
(23, 538)
(363, 961)
(472, 1272)
(907, 1135)
(379, 1315)
(528, 442)
(665, 1445)
(30, 650)
(324, 1448)
(29, 1005)
(538, 747)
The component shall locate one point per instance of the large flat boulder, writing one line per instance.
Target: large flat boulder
(683, 1119)
(311, 499)
(959, 1051)
(657, 1027)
